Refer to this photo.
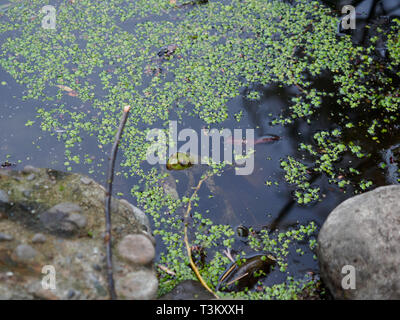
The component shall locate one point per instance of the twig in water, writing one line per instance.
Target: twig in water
(110, 177)
(188, 248)
(166, 270)
(228, 254)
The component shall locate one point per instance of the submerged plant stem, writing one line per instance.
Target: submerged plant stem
(110, 178)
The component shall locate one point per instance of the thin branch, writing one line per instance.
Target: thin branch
(188, 247)
(110, 178)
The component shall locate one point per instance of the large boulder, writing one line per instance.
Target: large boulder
(363, 232)
(51, 220)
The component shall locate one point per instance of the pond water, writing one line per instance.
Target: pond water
(244, 200)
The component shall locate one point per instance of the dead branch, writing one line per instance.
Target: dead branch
(110, 178)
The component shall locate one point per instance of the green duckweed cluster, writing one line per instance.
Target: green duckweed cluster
(106, 54)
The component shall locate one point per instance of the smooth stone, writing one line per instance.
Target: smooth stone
(5, 237)
(363, 234)
(31, 177)
(25, 252)
(4, 197)
(140, 285)
(64, 217)
(30, 169)
(86, 180)
(39, 238)
(27, 193)
(188, 290)
(138, 214)
(66, 207)
(137, 248)
(79, 220)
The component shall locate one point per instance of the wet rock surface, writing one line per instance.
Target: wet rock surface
(188, 290)
(363, 232)
(60, 223)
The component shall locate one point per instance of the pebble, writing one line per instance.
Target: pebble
(30, 169)
(86, 180)
(96, 267)
(4, 197)
(141, 285)
(138, 214)
(5, 237)
(39, 238)
(78, 219)
(25, 252)
(31, 177)
(27, 193)
(70, 294)
(66, 207)
(64, 217)
(137, 248)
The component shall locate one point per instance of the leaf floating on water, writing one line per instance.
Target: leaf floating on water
(65, 88)
(71, 92)
(180, 161)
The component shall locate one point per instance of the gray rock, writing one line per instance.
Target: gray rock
(71, 293)
(188, 290)
(141, 285)
(64, 217)
(79, 259)
(136, 248)
(31, 177)
(39, 238)
(363, 232)
(27, 193)
(5, 237)
(86, 180)
(30, 169)
(138, 214)
(78, 219)
(25, 252)
(4, 197)
(66, 207)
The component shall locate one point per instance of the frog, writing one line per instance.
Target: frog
(185, 169)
